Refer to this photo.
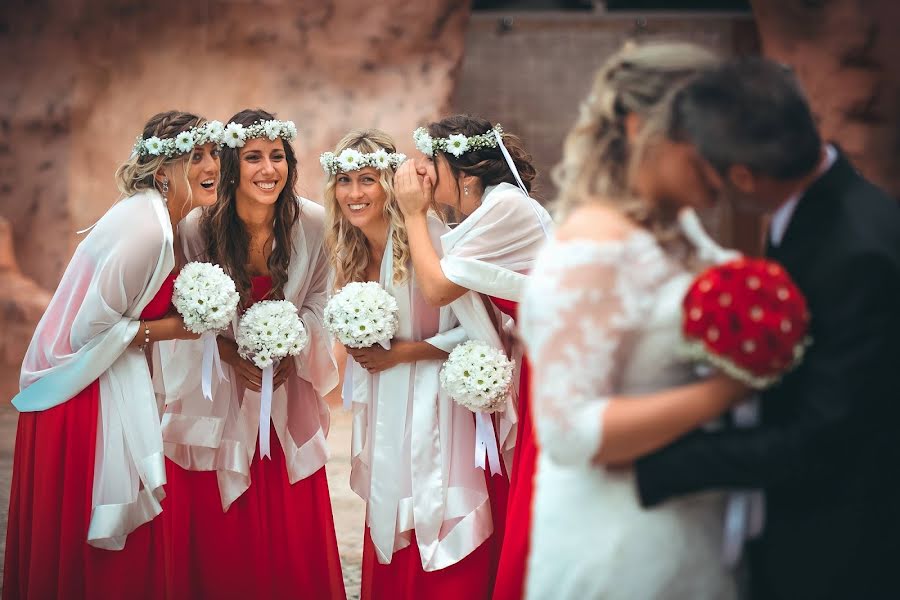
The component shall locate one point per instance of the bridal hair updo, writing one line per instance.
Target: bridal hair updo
(348, 250)
(226, 237)
(597, 155)
(138, 172)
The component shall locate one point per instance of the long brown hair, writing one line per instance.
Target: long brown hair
(227, 239)
(487, 164)
(348, 250)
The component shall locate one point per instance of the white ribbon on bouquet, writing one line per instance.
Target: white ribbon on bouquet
(211, 359)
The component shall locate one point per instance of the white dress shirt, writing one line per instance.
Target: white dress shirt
(782, 217)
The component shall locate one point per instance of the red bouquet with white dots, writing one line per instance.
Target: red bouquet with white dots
(747, 317)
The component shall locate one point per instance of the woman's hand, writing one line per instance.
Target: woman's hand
(248, 374)
(285, 369)
(170, 327)
(413, 188)
(376, 359)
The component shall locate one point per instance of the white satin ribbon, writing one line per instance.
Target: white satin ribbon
(265, 411)
(745, 510)
(210, 358)
(486, 443)
(515, 172)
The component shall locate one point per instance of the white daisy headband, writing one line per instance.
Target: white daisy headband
(184, 142)
(456, 144)
(353, 160)
(236, 135)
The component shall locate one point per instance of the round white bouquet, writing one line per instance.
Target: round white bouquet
(270, 330)
(205, 297)
(362, 314)
(478, 377)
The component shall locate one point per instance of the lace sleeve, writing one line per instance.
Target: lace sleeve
(582, 304)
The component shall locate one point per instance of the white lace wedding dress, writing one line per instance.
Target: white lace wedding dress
(601, 319)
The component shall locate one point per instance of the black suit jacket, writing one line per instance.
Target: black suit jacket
(827, 452)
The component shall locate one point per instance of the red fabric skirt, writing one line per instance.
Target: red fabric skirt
(275, 541)
(514, 554)
(472, 578)
(47, 554)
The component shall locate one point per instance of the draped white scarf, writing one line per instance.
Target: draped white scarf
(413, 447)
(221, 435)
(489, 253)
(84, 335)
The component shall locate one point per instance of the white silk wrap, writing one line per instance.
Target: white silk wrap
(413, 446)
(221, 435)
(490, 253)
(84, 335)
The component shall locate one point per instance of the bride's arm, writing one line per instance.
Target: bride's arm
(637, 425)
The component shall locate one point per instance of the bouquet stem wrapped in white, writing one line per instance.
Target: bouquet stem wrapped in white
(360, 315)
(206, 299)
(268, 332)
(479, 377)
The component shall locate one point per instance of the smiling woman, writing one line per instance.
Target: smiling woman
(271, 244)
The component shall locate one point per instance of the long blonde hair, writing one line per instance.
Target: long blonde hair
(348, 249)
(138, 172)
(596, 153)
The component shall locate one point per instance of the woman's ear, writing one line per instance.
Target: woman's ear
(633, 124)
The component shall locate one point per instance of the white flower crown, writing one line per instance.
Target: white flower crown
(456, 144)
(353, 160)
(236, 135)
(184, 142)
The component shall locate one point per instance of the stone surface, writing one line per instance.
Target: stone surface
(80, 79)
(844, 52)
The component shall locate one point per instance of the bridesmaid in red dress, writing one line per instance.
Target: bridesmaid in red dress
(88, 468)
(486, 175)
(238, 524)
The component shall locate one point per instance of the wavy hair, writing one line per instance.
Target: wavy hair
(348, 249)
(138, 173)
(227, 239)
(597, 157)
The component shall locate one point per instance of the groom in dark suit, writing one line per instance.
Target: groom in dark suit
(827, 451)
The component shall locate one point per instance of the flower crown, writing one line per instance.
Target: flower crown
(236, 135)
(456, 144)
(353, 160)
(184, 142)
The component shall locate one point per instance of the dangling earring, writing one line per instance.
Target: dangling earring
(466, 190)
(165, 189)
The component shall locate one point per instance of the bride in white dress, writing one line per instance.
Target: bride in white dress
(601, 320)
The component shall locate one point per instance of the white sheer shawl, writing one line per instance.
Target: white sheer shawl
(413, 447)
(221, 435)
(84, 335)
(491, 252)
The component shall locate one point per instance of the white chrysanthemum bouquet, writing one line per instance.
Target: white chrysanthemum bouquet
(268, 332)
(478, 376)
(362, 314)
(207, 300)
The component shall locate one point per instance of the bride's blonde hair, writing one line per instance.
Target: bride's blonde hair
(597, 155)
(348, 250)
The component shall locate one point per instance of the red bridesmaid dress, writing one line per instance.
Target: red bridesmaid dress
(276, 540)
(514, 554)
(47, 554)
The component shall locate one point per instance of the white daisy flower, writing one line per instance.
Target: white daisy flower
(154, 146)
(214, 131)
(290, 128)
(457, 144)
(350, 160)
(272, 129)
(423, 141)
(379, 159)
(184, 141)
(234, 135)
